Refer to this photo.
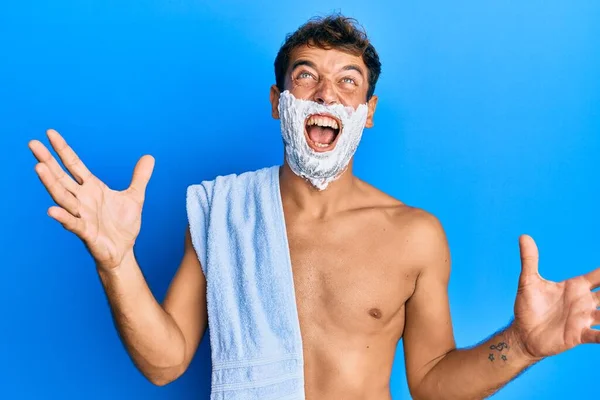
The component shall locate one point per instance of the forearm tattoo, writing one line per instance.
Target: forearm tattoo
(501, 348)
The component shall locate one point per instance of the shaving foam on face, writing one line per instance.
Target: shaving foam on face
(319, 168)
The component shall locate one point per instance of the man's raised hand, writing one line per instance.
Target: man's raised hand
(106, 220)
(552, 317)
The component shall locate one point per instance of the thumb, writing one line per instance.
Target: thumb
(141, 176)
(529, 259)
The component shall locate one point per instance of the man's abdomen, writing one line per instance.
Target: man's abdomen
(346, 369)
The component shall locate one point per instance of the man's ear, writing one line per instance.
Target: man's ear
(274, 95)
(371, 104)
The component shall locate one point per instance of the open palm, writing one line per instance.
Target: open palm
(552, 317)
(107, 221)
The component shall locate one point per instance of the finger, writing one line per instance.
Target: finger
(597, 298)
(141, 176)
(57, 191)
(590, 336)
(595, 317)
(42, 154)
(593, 278)
(68, 157)
(529, 258)
(67, 220)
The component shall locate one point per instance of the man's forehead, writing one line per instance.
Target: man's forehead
(333, 58)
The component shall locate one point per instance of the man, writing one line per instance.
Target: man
(368, 270)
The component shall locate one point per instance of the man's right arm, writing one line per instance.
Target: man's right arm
(160, 339)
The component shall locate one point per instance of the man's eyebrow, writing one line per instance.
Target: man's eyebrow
(300, 62)
(354, 67)
(349, 67)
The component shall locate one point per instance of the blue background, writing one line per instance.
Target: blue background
(489, 117)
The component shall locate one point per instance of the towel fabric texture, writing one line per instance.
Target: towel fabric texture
(238, 231)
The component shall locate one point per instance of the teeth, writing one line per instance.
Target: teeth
(322, 121)
(320, 144)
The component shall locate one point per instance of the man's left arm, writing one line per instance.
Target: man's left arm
(549, 318)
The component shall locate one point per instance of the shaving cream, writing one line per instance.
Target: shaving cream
(319, 168)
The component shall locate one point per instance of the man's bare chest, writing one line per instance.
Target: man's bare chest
(350, 276)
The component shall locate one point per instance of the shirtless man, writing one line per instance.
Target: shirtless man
(368, 269)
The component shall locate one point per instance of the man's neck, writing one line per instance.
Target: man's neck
(297, 192)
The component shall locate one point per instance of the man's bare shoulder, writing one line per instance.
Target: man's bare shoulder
(402, 214)
(417, 229)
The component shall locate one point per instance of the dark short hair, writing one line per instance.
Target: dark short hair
(330, 32)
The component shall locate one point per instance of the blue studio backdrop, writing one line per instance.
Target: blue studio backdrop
(488, 117)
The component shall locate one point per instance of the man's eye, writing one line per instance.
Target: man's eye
(304, 75)
(349, 80)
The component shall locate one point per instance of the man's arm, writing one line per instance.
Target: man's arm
(435, 368)
(161, 340)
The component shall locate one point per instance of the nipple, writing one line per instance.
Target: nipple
(375, 313)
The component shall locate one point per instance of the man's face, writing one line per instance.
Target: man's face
(326, 77)
(324, 113)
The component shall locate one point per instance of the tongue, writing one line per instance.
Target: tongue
(320, 134)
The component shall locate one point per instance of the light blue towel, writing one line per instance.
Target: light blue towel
(238, 230)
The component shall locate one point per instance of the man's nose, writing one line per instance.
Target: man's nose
(325, 93)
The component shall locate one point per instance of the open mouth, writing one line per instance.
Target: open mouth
(322, 131)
